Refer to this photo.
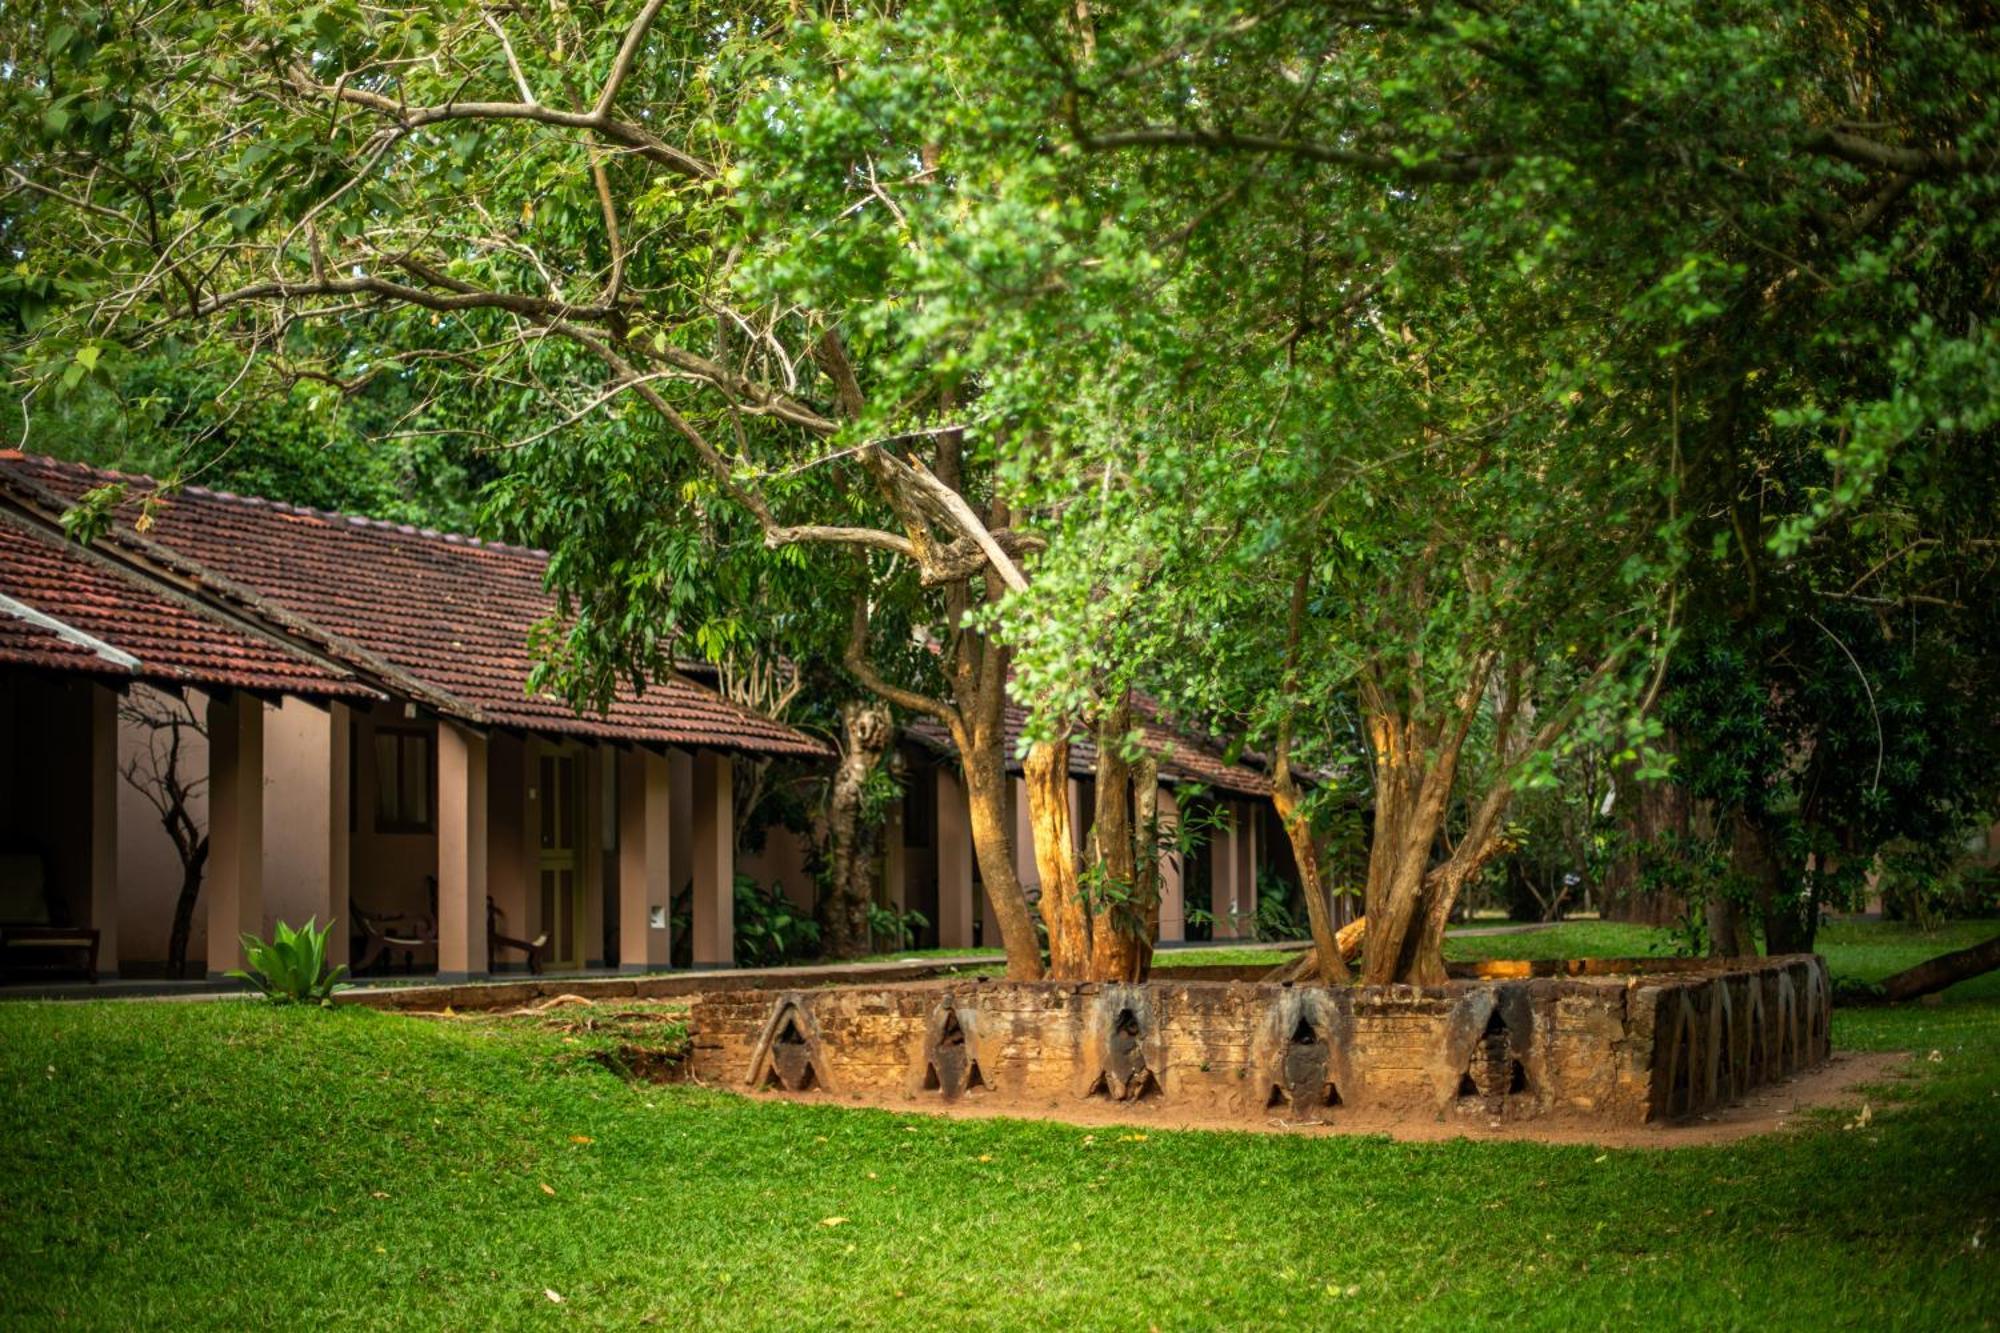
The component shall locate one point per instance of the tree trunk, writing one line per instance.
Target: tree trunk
(1328, 963)
(980, 688)
(1348, 940)
(1935, 974)
(177, 940)
(1410, 801)
(866, 731)
(993, 845)
(1789, 918)
(1728, 933)
(1146, 853)
(1650, 813)
(1120, 949)
(1046, 776)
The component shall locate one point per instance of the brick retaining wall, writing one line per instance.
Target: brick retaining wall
(1661, 1040)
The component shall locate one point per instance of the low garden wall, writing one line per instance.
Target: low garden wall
(1652, 1040)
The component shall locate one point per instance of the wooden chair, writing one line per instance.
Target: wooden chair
(383, 931)
(495, 941)
(31, 943)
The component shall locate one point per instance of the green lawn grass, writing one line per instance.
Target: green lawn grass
(231, 1165)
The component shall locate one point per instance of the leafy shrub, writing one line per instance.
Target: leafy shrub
(891, 930)
(770, 931)
(1281, 910)
(292, 969)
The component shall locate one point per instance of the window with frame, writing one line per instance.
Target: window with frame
(405, 778)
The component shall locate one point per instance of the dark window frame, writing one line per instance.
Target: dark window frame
(428, 738)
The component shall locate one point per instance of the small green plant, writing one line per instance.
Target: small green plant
(770, 930)
(891, 930)
(292, 968)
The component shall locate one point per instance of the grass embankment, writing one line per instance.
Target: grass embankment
(233, 1165)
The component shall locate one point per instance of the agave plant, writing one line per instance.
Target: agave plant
(292, 967)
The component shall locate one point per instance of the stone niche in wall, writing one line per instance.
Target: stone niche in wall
(1624, 1041)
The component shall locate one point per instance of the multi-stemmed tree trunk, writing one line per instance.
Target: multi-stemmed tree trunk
(1417, 753)
(1102, 908)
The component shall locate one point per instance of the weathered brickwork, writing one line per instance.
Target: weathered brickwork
(1648, 1040)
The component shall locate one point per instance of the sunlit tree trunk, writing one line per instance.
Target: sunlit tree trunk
(1120, 947)
(1328, 964)
(993, 841)
(1045, 774)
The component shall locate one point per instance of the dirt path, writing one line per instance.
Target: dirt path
(1770, 1109)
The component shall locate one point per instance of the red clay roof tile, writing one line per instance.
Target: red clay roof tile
(449, 611)
(173, 639)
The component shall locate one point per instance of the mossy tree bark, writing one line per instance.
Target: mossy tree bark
(866, 733)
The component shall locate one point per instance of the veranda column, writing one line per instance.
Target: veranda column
(104, 827)
(714, 861)
(1024, 838)
(954, 862)
(235, 888)
(895, 873)
(644, 847)
(1222, 870)
(1173, 902)
(339, 794)
(1248, 819)
(461, 853)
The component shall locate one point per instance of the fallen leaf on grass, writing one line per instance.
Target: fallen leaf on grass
(379, 1194)
(833, 1221)
(548, 1189)
(581, 1138)
(555, 1297)
(1131, 1138)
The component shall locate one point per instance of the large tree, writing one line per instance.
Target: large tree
(545, 211)
(1450, 325)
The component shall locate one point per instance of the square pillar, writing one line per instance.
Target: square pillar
(461, 852)
(895, 871)
(1173, 900)
(104, 827)
(1024, 837)
(339, 844)
(989, 915)
(954, 863)
(644, 853)
(1247, 835)
(714, 861)
(1223, 863)
(235, 889)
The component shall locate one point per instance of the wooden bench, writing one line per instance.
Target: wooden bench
(32, 943)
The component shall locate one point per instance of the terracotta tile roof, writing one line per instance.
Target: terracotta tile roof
(445, 617)
(64, 608)
(1183, 758)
